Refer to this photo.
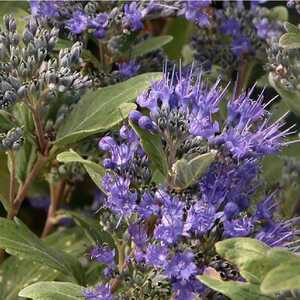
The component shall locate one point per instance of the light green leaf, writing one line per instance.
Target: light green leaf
(279, 13)
(95, 171)
(152, 145)
(249, 255)
(283, 278)
(148, 45)
(291, 39)
(50, 290)
(68, 240)
(24, 116)
(187, 171)
(235, 290)
(100, 110)
(18, 240)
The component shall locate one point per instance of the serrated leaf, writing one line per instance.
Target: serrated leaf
(152, 145)
(283, 278)
(95, 171)
(235, 290)
(18, 240)
(187, 171)
(69, 240)
(249, 255)
(50, 290)
(148, 45)
(100, 110)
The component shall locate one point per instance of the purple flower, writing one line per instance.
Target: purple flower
(231, 26)
(133, 17)
(147, 207)
(107, 143)
(138, 234)
(157, 256)
(99, 23)
(239, 228)
(134, 116)
(146, 123)
(231, 210)
(240, 45)
(193, 13)
(121, 154)
(41, 202)
(266, 207)
(181, 266)
(47, 9)
(104, 255)
(78, 23)
(129, 69)
(99, 293)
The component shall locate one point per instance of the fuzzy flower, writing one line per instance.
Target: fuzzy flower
(157, 256)
(193, 13)
(133, 17)
(239, 227)
(138, 234)
(129, 69)
(99, 293)
(100, 23)
(78, 23)
(104, 255)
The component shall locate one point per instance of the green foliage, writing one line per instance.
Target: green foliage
(100, 110)
(148, 45)
(6, 120)
(96, 171)
(291, 39)
(267, 270)
(152, 144)
(4, 182)
(18, 240)
(187, 171)
(50, 290)
(279, 13)
(28, 272)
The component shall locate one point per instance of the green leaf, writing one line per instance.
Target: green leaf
(69, 240)
(6, 120)
(249, 255)
(95, 171)
(4, 182)
(148, 45)
(50, 290)
(283, 278)
(152, 145)
(18, 240)
(90, 228)
(290, 97)
(187, 171)
(235, 290)
(25, 159)
(24, 116)
(99, 110)
(279, 13)
(291, 39)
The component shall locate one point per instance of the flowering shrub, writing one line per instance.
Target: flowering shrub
(146, 144)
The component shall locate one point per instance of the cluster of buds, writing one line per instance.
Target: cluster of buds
(13, 139)
(25, 72)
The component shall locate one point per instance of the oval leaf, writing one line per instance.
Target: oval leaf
(187, 171)
(49, 290)
(95, 171)
(100, 110)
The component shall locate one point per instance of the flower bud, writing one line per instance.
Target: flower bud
(107, 143)
(134, 116)
(27, 36)
(22, 91)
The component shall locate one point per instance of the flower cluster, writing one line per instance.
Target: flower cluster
(174, 227)
(236, 32)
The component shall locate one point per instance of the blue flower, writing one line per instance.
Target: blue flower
(129, 69)
(193, 13)
(99, 23)
(157, 256)
(133, 17)
(138, 234)
(231, 26)
(99, 293)
(239, 227)
(104, 255)
(147, 207)
(181, 266)
(78, 23)
(240, 45)
(266, 207)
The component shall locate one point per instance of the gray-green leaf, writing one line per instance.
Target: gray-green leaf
(95, 171)
(187, 171)
(291, 39)
(152, 145)
(50, 290)
(100, 110)
(18, 240)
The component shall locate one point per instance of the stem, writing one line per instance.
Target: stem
(242, 77)
(12, 180)
(23, 191)
(39, 129)
(55, 203)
